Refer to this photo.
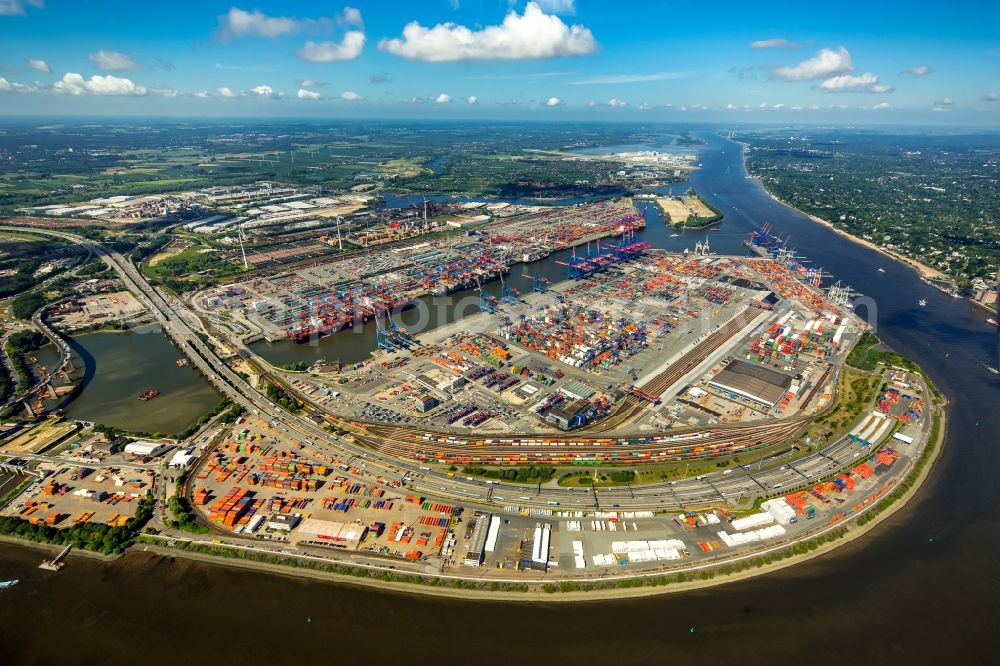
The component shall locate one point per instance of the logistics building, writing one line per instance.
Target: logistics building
(754, 382)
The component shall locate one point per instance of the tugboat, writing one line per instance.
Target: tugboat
(148, 395)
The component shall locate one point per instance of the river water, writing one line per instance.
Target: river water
(118, 366)
(922, 588)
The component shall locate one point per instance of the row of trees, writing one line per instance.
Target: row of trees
(89, 536)
(540, 473)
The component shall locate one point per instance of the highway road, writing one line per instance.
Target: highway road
(731, 484)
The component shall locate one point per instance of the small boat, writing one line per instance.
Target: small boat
(991, 321)
(993, 370)
(922, 302)
(674, 235)
(881, 270)
(149, 395)
(8, 583)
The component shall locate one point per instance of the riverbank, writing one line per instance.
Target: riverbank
(52, 549)
(698, 577)
(924, 270)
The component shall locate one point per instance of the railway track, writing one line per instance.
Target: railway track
(690, 445)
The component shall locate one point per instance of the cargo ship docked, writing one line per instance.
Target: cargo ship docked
(331, 315)
(374, 285)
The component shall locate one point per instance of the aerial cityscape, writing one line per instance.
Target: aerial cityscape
(394, 327)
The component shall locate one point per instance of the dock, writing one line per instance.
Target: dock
(56, 563)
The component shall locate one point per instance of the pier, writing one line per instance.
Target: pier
(56, 563)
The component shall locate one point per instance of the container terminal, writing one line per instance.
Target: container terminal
(490, 443)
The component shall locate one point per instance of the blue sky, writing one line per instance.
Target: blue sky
(853, 62)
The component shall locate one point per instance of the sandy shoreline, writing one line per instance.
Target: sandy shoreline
(924, 270)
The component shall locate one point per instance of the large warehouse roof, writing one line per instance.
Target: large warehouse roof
(753, 381)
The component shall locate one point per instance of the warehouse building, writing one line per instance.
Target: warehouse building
(753, 382)
(331, 533)
(145, 449)
(477, 543)
(569, 415)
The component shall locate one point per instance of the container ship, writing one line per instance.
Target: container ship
(333, 314)
(461, 273)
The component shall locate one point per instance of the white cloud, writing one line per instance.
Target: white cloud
(347, 49)
(473, 100)
(616, 103)
(776, 43)
(165, 92)
(442, 99)
(990, 97)
(38, 65)
(350, 96)
(310, 83)
(643, 106)
(938, 109)
(866, 82)
(239, 23)
(226, 92)
(11, 86)
(308, 94)
(113, 61)
(881, 107)
(629, 78)
(558, 6)
(553, 101)
(730, 107)
(352, 16)
(265, 91)
(74, 84)
(947, 101)
(204, 94)
(533, 34)
(779, 106)
(920, 70)
(18, 7)
(824, 64)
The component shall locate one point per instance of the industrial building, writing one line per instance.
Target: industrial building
(477, 543)
(753, 382)
(145, 449)
(331, 533)
(571, 415)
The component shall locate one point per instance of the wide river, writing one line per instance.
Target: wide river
(923, 587)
